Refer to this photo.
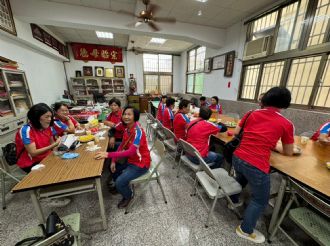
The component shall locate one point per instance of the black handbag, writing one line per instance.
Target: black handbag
(231, 146)
(9, 153)
(54, 224)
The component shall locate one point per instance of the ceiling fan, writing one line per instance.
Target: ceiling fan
(148, 16)
(135, 50)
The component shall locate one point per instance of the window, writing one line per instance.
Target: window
(298, 58)
(250, 81)
(158, 73)
(271, 76)
(301, 79)
(323, 94)
(292, 19)
(320, 23)
(264, 26)
(195, 73)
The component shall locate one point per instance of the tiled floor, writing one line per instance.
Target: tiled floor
(150, 222)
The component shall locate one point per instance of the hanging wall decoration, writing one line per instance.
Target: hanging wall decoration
(94, 52)
(119, 71)
(229, 64)
(218, 62)
(6, 18)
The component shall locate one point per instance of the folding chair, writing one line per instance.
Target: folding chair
(217, 184)
(150, 120)
(158, 156)
(159, 130)
(187, 149)
(8, 172)
(316, 225)
(170, 143)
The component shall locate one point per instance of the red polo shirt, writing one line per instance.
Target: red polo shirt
(120, 129)
(263, 128)
(180, 124)
(115, 117)
(27, 134)
(168, 118)
(216, 107)
(324, 129)
(160, 111)
(142, 156)
(199, 134)
(75, 123)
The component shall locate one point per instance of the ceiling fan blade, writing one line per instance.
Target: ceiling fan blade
(153, 26)
(153, 8)
(124, 12)
(164, 19)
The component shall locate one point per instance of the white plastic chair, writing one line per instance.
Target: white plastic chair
(157, 155)
(217, 184)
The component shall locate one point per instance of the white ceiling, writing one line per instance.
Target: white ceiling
(216, 13)
(88, 36)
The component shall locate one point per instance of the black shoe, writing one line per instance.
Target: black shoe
(113, 190)
(124, 202)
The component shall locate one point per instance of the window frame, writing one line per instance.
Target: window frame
(158, 73)
(194, 72)
(302, 50)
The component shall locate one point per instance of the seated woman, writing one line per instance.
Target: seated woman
(181, 120)
(203, 102)
(35, 140)
(62, 115)
(262, 130)
(198, 135)
(215, 106)
(161, 108)
(135, 148)
(115, 116)
(323, 134)
(168, 115)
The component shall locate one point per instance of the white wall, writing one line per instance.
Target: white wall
(177, 80)
(44, 69)
(215, 84)
(135, 66)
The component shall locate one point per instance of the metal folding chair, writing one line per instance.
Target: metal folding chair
(315, 224)
(170, 143)
(157, 156)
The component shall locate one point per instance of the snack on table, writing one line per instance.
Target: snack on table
(213, 120)
(230, 124)
(86, 138)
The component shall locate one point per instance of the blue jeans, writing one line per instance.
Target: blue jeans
(212, 157)
(123, 175)
(260, 188)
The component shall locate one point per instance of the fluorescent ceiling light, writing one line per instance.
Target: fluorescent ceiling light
(202, 1)
(104, 34)
(157, 40)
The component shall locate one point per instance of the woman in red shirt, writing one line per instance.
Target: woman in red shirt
(262, 130)
(161, 108)
(62, 114)
(181, 120)
(168, 115)
(215, 106)
(115, 116)
(135, 148)
(35, 140)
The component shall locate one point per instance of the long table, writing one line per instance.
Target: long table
(62, 178)
(308, 168)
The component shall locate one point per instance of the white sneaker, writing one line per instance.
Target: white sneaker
(236, 205)
(58, 202)
(256, 236)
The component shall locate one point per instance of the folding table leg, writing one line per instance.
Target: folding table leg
(100, 195)
(37, 207)
(278, 204)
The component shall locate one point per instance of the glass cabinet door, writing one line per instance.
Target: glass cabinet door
(78, 86)
(106, 85)
(92, 86)
(6, 109)
(18, 91)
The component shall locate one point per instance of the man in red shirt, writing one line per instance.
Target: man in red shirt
(168, 115)
(181, 120)
(203, 102)
(161, 108)
(198, 135)
(262, 130)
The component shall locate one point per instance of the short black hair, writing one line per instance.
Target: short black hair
(170, 101)
(135, 112)
(164, 96)
(184, 103)
(36, 111)
(216, 98)
(115, 100)
(202, 98)
(278, 97)
(58, 105)
(205, 113)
